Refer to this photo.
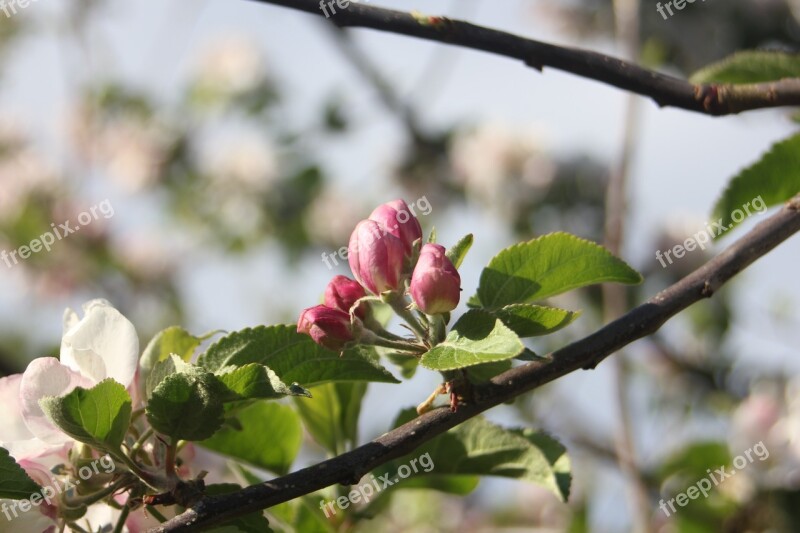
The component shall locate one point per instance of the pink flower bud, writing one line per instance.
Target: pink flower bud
(400, 222)
(328, 327)
(435, 283)
(376, 257)
(342, 293)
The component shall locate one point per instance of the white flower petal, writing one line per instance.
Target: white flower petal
(103, 344)
(14, 428)
(46, 377)
(14, 520)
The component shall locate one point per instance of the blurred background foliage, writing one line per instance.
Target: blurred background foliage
(220, 167)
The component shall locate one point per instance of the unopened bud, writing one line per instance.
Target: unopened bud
(435, 283)
(376, 257)
(330, 328)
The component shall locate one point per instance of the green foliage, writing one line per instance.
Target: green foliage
(529, 320)
(477, 337)
(750, 67)
(250, 523)
(187, 405)
(175, 340)
(302, 515)
(14, 482)
(99, 416)
(294, 357)
(692, 462)
(774, 179)
(268, 435)
(479, 448)
(547, 266)
(331, 417)
(458, 251)
(254, 381)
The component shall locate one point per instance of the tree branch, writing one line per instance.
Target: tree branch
(711, 99)
(586, 353)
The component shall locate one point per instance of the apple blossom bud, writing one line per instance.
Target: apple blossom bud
(376, 257)
(396, 216)
(342, 293)
(330, 328)
(435, 283)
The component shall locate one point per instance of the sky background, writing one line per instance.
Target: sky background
(683, 162)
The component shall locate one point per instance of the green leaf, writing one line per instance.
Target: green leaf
(750, 67)
(269, 438)
(529, 355)
(771, 181)
(529, 320)
(161, 370)
(254, 522)
(556, 455)
(187, 406)
(303, 515)
(692, 461)
(407, 364)
(331, 417)
(458, 252)
(479, 448)
(476, 338)
(172, 340)
(432, 236)
(549, 265)
(452, 484)
(99, 416)
(254, 381)
(486, 371)
(175, 340)
(294, 357)
(14, 482)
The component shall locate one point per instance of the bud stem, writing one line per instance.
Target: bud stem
(369, 337)
(437, 329)
(400, 306)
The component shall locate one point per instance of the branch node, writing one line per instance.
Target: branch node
(707, 291)
(535, 63)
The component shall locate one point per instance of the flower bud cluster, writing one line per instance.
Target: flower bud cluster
(387, 260)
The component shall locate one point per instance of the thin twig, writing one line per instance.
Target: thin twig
(711, 99)
(587, 353)
(626, 14)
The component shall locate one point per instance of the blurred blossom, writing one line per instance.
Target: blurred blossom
(145, 255)
(232, 64)
(755, 417)
(494, 163)
(541, 508)
(22, 171)
(132, 149)
(792, 419)
(134, 152)
(250, 161)
(771, 415)
(331, 218)
(241, 213)
(742, 488)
